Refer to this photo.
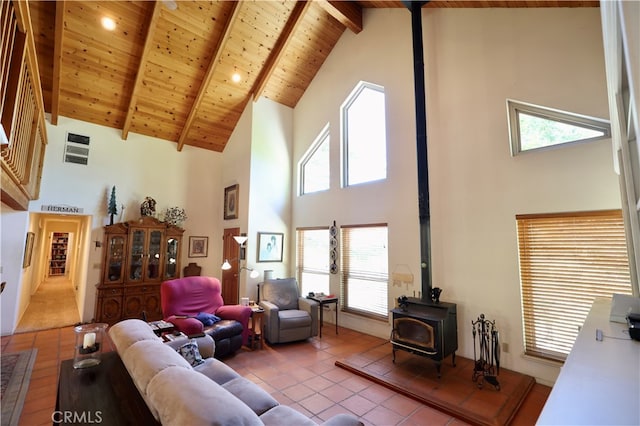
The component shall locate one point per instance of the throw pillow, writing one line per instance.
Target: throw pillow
(207, 319)
(190, 352)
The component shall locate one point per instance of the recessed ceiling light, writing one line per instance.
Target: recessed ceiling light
(170, 4)
(236, 77)
(108, 23)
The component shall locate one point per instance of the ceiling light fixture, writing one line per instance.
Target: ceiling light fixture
(236, 76)
(170, 4)
(108, 23)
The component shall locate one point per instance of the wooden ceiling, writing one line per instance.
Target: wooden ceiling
(166, 69)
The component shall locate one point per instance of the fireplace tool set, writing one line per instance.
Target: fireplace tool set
(487, 356)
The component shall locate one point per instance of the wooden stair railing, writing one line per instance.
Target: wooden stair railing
(23, 137)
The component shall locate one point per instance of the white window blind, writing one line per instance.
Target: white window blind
(365, 270)
(566, 260)
(313, 260)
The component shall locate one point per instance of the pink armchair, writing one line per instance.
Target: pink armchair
(183, 299)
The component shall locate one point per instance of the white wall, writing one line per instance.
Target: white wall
(271, 171)
(475, 60)
(380, 54)
(138, 167)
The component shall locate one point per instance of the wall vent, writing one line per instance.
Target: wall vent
(76, 149)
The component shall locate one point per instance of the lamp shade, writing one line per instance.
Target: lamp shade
(240, 239)
(226, 265)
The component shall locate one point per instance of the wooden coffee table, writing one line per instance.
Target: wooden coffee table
(103, 394)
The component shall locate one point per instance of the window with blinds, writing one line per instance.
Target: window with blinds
(566, 260)
(365, 270)
(313, 260)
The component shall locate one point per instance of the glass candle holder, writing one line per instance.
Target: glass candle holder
(88, 346)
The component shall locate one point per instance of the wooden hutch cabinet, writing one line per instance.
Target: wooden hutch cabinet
(138, 256)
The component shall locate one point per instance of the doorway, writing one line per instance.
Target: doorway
(56, 295)
(231, 277)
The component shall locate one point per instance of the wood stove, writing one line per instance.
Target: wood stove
(426, 329)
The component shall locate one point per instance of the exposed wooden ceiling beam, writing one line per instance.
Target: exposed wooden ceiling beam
(348, 13)
(148, 45)
(235, 11)
(280, 47)
(57, 62)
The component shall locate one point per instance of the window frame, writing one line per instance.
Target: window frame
(565, 261)
(321, 138)
(344, 132)
(514, 108)
(345, 275)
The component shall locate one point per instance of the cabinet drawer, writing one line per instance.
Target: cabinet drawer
(106, 292)
(141, 289)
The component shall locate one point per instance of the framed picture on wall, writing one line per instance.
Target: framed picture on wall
(270, 246)
(198, 246)
(231, 202)
(28, 250)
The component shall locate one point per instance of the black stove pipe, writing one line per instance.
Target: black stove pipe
(421, 144)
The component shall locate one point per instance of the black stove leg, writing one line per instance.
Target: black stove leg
(438, 368)
(453, 358)
(393, 351)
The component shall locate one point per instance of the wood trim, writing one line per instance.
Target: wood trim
(57, 61)
(348, 13)
(235, 11)
(148, 45)
(281, 45)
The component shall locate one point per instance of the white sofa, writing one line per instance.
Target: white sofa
(210, 394)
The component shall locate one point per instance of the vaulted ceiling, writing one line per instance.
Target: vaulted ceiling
(166, 69)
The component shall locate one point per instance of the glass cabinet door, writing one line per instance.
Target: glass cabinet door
(137, 255)
(171, 258)
(155, 246)
(115, 259)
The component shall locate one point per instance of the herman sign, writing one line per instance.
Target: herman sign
(62, 209)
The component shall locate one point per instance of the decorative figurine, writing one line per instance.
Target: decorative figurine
(403, 303)
(435, 294)
(112, 208)
(148, 207)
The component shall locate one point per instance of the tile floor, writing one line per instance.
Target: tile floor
(302, 375)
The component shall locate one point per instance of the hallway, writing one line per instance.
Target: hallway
(52, 306)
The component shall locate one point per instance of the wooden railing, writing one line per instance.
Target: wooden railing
(23, 135)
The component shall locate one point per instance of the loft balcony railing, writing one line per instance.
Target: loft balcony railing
(22, 132)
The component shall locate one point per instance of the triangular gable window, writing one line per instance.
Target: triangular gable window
(534, 127)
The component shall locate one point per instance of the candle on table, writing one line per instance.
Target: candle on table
(89, 340)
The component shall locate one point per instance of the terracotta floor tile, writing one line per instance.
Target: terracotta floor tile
(336, 393)
(298, 392)
(377, 393)
(358, 405)
(427, 416)
(318, 383)
(401, 404)
(383, 417)
(316, 403)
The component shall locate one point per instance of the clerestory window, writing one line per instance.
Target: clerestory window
(364, 135)
(314, 167)
(533, 127)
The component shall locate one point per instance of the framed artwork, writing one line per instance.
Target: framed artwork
(270, 246)
(198, 246)
(231, 202)
(28, 250)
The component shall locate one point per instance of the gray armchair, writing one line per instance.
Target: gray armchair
(287, 316)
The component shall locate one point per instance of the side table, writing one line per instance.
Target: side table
(325, 300)
(255, 332)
